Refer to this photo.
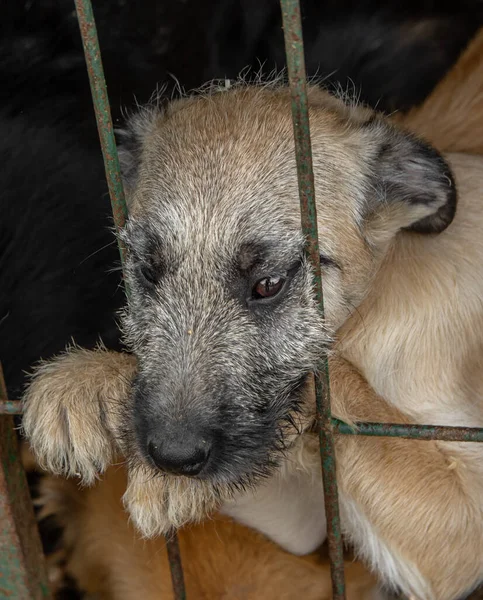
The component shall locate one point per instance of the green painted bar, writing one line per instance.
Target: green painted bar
(10, 407)
(102, 109)
(409, 431)
(87, 24)
(294, 49)
(174, 557)
(22, 566)
(412, 432)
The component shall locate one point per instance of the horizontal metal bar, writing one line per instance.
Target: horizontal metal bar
(294, 50)
(413, 432)
(444, 433)
(10, 407)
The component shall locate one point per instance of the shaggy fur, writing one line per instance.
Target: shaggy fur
(221, 559)
(23, 340)
(208, 351)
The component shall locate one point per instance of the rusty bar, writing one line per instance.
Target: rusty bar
(10, 407)
(294, 49)
(22, 567)
(412, 432)
(174, 556)
(443, 433)
(90, 41)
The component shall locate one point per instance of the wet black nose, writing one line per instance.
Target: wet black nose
(183, 454)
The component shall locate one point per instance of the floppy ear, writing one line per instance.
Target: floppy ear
(413, 184)
(131, 141)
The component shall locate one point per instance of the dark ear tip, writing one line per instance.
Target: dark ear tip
(443, 217)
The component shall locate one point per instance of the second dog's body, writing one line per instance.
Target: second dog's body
(222, 560)
(417, 338)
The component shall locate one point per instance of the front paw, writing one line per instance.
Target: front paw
(72, 411)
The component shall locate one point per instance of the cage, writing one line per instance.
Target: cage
(22, 569)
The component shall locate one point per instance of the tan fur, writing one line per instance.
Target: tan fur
(82, 392)
(428, 372)
(413, 509)
(452, 116)
(221, 559)
(420, 498)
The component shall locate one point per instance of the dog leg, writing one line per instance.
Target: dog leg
(411, 508)
(73, 411)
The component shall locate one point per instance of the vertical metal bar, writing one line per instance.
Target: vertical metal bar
(292, 26)
(102, 109)
(22, 566)
(174, 557)
(90, 41)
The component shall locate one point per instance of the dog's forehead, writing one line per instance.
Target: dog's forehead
(214, 159)
(207, 177)
(237, 145)
(236, 239)
(222, 171)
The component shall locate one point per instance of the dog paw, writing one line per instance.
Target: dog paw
(73, 411)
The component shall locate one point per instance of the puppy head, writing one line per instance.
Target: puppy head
(222, 316)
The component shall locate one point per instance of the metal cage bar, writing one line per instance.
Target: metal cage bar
(10, 407)
(22, 564)
(411, 432)
(294, 49)
(102, 109)
(22, 568)
(174, 557)
(100, 99)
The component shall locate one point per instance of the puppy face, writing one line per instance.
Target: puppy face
(224, 324)
(222, 316)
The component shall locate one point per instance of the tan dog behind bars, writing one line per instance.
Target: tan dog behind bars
(414, 510)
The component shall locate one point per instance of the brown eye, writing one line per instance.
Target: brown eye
(268, 287)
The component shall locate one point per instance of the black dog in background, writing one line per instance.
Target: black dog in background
(56, 248)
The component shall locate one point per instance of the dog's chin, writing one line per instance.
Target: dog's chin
(159, 502)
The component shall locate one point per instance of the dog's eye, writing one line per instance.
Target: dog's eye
(149, 274)
(268, 287)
